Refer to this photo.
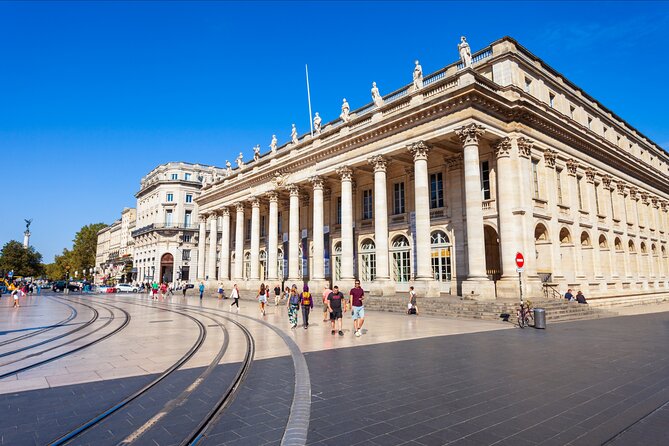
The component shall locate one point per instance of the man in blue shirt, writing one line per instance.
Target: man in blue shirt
(201, 289)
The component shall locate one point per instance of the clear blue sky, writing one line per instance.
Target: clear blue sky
(94, 95)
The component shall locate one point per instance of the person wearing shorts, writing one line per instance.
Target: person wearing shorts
(357, 295)
(335, 303)
(326, 310)
(262, 298)
(154, 290)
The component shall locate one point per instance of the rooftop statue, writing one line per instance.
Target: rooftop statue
(256, 152)
(228, 168)
(317, 124)
(272, 145)
(376, 96)
(465, 52)
(417, 77)
(240, 160)
(293, 135)
(345, 109)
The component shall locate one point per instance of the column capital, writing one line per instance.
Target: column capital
(202, 218)
(549, 157)
(294, 190)
(502, 147)
(590, 174)
(212, 216)
(255, 202)
(455, 162)
(346, 173)
(633, 193)
(378, 162)
(663, 205)
(225, 211)
(317, 182)
(272, 196)
(572, 165)
(644, 197)
(606, 180)
(525, 146)
(240, 206)
(655, 201)
(419, 150)
(470, 134)
(621, 186)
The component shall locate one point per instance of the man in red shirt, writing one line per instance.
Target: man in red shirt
(358, 310)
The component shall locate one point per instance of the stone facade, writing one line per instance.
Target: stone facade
(441, 186)
(113, 258)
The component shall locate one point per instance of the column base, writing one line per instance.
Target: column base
(508, 288)
(382, 287)
(478, 289)
(427, 287)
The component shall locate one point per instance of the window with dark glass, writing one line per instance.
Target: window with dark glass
(367, 204)
(485, 179)
(436, 191)
(398, 198)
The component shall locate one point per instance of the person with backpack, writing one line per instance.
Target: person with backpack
(293, 304)
(307, 303)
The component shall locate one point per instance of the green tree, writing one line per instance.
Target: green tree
(85, 243)
(23, 261)
(62, 265)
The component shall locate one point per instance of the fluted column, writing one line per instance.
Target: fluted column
(224, 269)
(294, 260)
(572, 167)
(201, 244)
(254, 274)
(272, 249)
(239, 242)
(346, 175)
(550, 157)
(591, 192)
(507, 199)
(213, 239)
(319, 248)
(381, 217)
(423, 267)
(469, 135)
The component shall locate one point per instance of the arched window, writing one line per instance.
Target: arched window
(631, 247)
(337, 261)
(603, 243)
(540, 233)
(441, 256)
(618, 244)
(643, 248)
(585, 239)
(653, 249)
(262, 257)
(565, 236)
(367, 260)
(401, 252)
(664, 251)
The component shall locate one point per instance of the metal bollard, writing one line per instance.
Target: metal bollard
(539, 318)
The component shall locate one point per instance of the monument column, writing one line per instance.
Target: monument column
(255, 239)
(294, 260)
(272, 249)
(224, 269)
(346, 175)
(201, 243)
(213, 239)
(381, 218)
(477, 283)
(319, 248)
(239, 242)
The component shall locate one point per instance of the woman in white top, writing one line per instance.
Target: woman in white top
(235, 295)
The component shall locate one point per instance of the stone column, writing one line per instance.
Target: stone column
(319, 248)
(423, 267)
(572, 167)
(346, 175)
(477, 283)
(620, 187)
(224, 269)
(272, 249)
(213, 239)
(594, 219)
(239, 242)
(294, 260)
(381, 218)
(550, 157)
(201, 244)
(255, 239)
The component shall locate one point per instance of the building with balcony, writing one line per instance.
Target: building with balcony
(439, 184)
(166, 233)
(113, 258)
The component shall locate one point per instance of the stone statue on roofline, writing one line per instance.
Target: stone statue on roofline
(256, 152)
(465, 52)
(317, 124)
(228, 168)
(345, 109)
(240, 160)
(293, 135)
(376, 96)
(417, 77)
(272, 145)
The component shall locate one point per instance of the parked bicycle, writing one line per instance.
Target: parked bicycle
(525, 316)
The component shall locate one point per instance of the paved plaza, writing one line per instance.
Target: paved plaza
(406, 381)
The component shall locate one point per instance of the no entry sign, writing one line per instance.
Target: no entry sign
(520, 260)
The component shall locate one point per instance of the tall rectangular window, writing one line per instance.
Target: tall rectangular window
(175, 176)
(279, 226)
(485, 179)
(170, 197)
(436, 191)
(247, 233)
(188, 216)
(187, 238)
(263, 232)
(338, 210)
(558, 177)
(185, 254)
(168, 217)
(367, 204)
(535, 177)
(597, 198)
(187, 176)
(398, 198)
(189, 198)
(578, 190)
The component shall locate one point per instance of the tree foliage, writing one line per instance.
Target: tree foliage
(81, 257)
(23, 261)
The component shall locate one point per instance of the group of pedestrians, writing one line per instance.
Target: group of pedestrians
(580, 297)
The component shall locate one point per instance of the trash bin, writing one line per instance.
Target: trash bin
(539, 318)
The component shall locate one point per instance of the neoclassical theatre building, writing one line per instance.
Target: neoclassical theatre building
(440, 183)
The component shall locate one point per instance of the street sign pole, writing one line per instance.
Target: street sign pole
(520, 263)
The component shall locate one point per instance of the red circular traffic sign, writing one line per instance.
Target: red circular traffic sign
(520, 260)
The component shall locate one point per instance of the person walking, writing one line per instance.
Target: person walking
(293, 304)
(201, 288)
(262, 298)
(235, 296)
(277, 294)
(357, 295)
(16, 294)
(412, 308)
(183, 289)
(326, 293)
(163, 290)
(307, 303)
(335, 303)
(154, 290)
(170, 289)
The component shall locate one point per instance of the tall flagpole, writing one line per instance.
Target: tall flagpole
(311, 122)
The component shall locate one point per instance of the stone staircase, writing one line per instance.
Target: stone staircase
(454, 306)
